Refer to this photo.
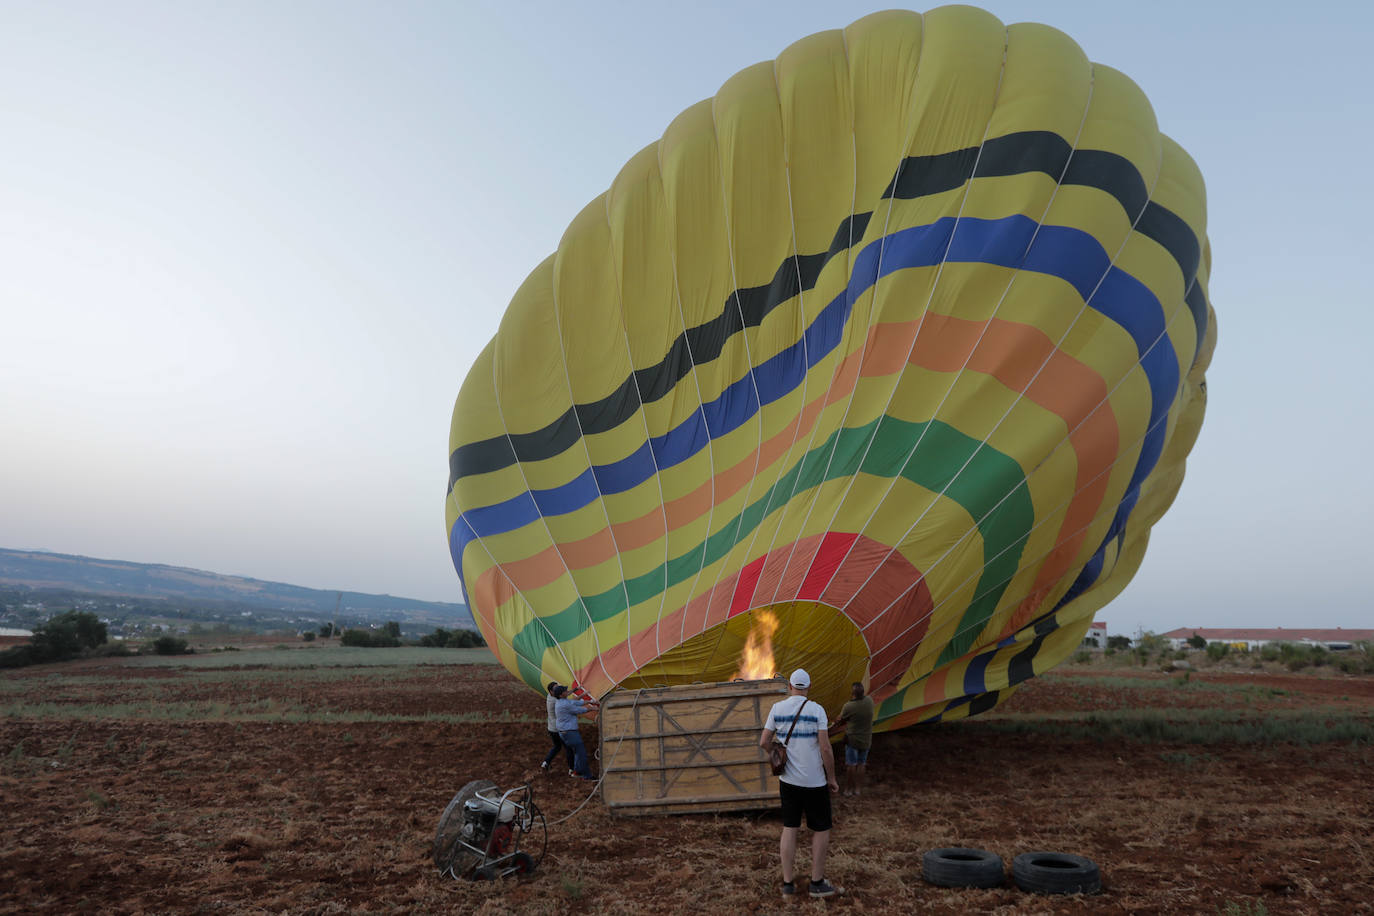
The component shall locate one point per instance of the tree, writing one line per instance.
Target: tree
(436, 640)
(1196, 641)
(392, 629)
(1118, 642)
(466, 639)
(66, 635)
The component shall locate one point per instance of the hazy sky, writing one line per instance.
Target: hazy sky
(249, 250)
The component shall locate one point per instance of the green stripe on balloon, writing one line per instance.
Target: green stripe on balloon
(988, 484)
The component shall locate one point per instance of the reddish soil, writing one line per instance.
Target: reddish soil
(120, 815)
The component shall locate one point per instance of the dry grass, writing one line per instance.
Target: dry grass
(129, 812)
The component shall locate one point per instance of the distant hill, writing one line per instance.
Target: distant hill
(38, 569)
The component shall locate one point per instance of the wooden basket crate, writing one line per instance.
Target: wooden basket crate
(693, 748)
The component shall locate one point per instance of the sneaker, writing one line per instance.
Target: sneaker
(572, 772)
(544, 765)
(824, 888)
(788, 888)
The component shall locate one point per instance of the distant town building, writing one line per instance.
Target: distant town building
(1255, 638)
(1096, 637)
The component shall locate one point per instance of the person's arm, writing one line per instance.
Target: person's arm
(827, 757)
(766, 739)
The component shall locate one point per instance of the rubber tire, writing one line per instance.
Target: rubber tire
(1055, 873)
(450, 822)
(957, 866)
(523, 863)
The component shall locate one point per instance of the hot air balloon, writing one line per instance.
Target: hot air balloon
(893, 349)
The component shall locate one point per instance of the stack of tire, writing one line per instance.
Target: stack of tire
(1036, 872)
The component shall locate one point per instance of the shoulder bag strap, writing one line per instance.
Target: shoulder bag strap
(795, 719)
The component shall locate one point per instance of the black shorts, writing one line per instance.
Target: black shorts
(814, 802)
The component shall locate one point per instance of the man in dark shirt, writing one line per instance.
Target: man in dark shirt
(857, 718)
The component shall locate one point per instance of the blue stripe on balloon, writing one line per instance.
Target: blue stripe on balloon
(1061, 251)
(687, 438)
(1130, 303)
(975, 674)
(628, 472)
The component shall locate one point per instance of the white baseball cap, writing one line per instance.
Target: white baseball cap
(800, 679)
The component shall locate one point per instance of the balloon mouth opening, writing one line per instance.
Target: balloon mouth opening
(766, 642)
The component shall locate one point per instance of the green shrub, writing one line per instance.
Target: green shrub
(18, 657)
(360, 638)
(1082, 657)
(308, 636)
(1352, 662)
(1216, 651)
(452, 639)
(369, 639)
(170, 645)
(1297, 656)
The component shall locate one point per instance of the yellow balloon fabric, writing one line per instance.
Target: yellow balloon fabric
(897, 342)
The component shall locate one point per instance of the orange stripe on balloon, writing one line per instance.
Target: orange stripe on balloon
(547, 565)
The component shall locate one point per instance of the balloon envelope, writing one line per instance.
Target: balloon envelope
(897, 344)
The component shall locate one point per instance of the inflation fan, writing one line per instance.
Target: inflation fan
(485, 833)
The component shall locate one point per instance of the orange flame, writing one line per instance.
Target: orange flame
(757, 662)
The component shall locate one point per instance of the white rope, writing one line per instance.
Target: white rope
(909, 138)
(602, 777)
(753, 381)
(784, 461)
(916, 335)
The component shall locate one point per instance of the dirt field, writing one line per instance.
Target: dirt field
(134, 789)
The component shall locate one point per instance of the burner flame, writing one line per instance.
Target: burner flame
(757, 662)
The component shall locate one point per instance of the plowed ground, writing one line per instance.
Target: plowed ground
(129, 789)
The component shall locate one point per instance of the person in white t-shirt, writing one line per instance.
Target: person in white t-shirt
(806, 784)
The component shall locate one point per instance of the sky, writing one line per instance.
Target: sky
(249, 251)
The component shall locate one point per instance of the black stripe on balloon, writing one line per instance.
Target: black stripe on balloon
(983, 702)
(1022, 664)
(1014, 154)
(1043, 151)
(745, 308)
